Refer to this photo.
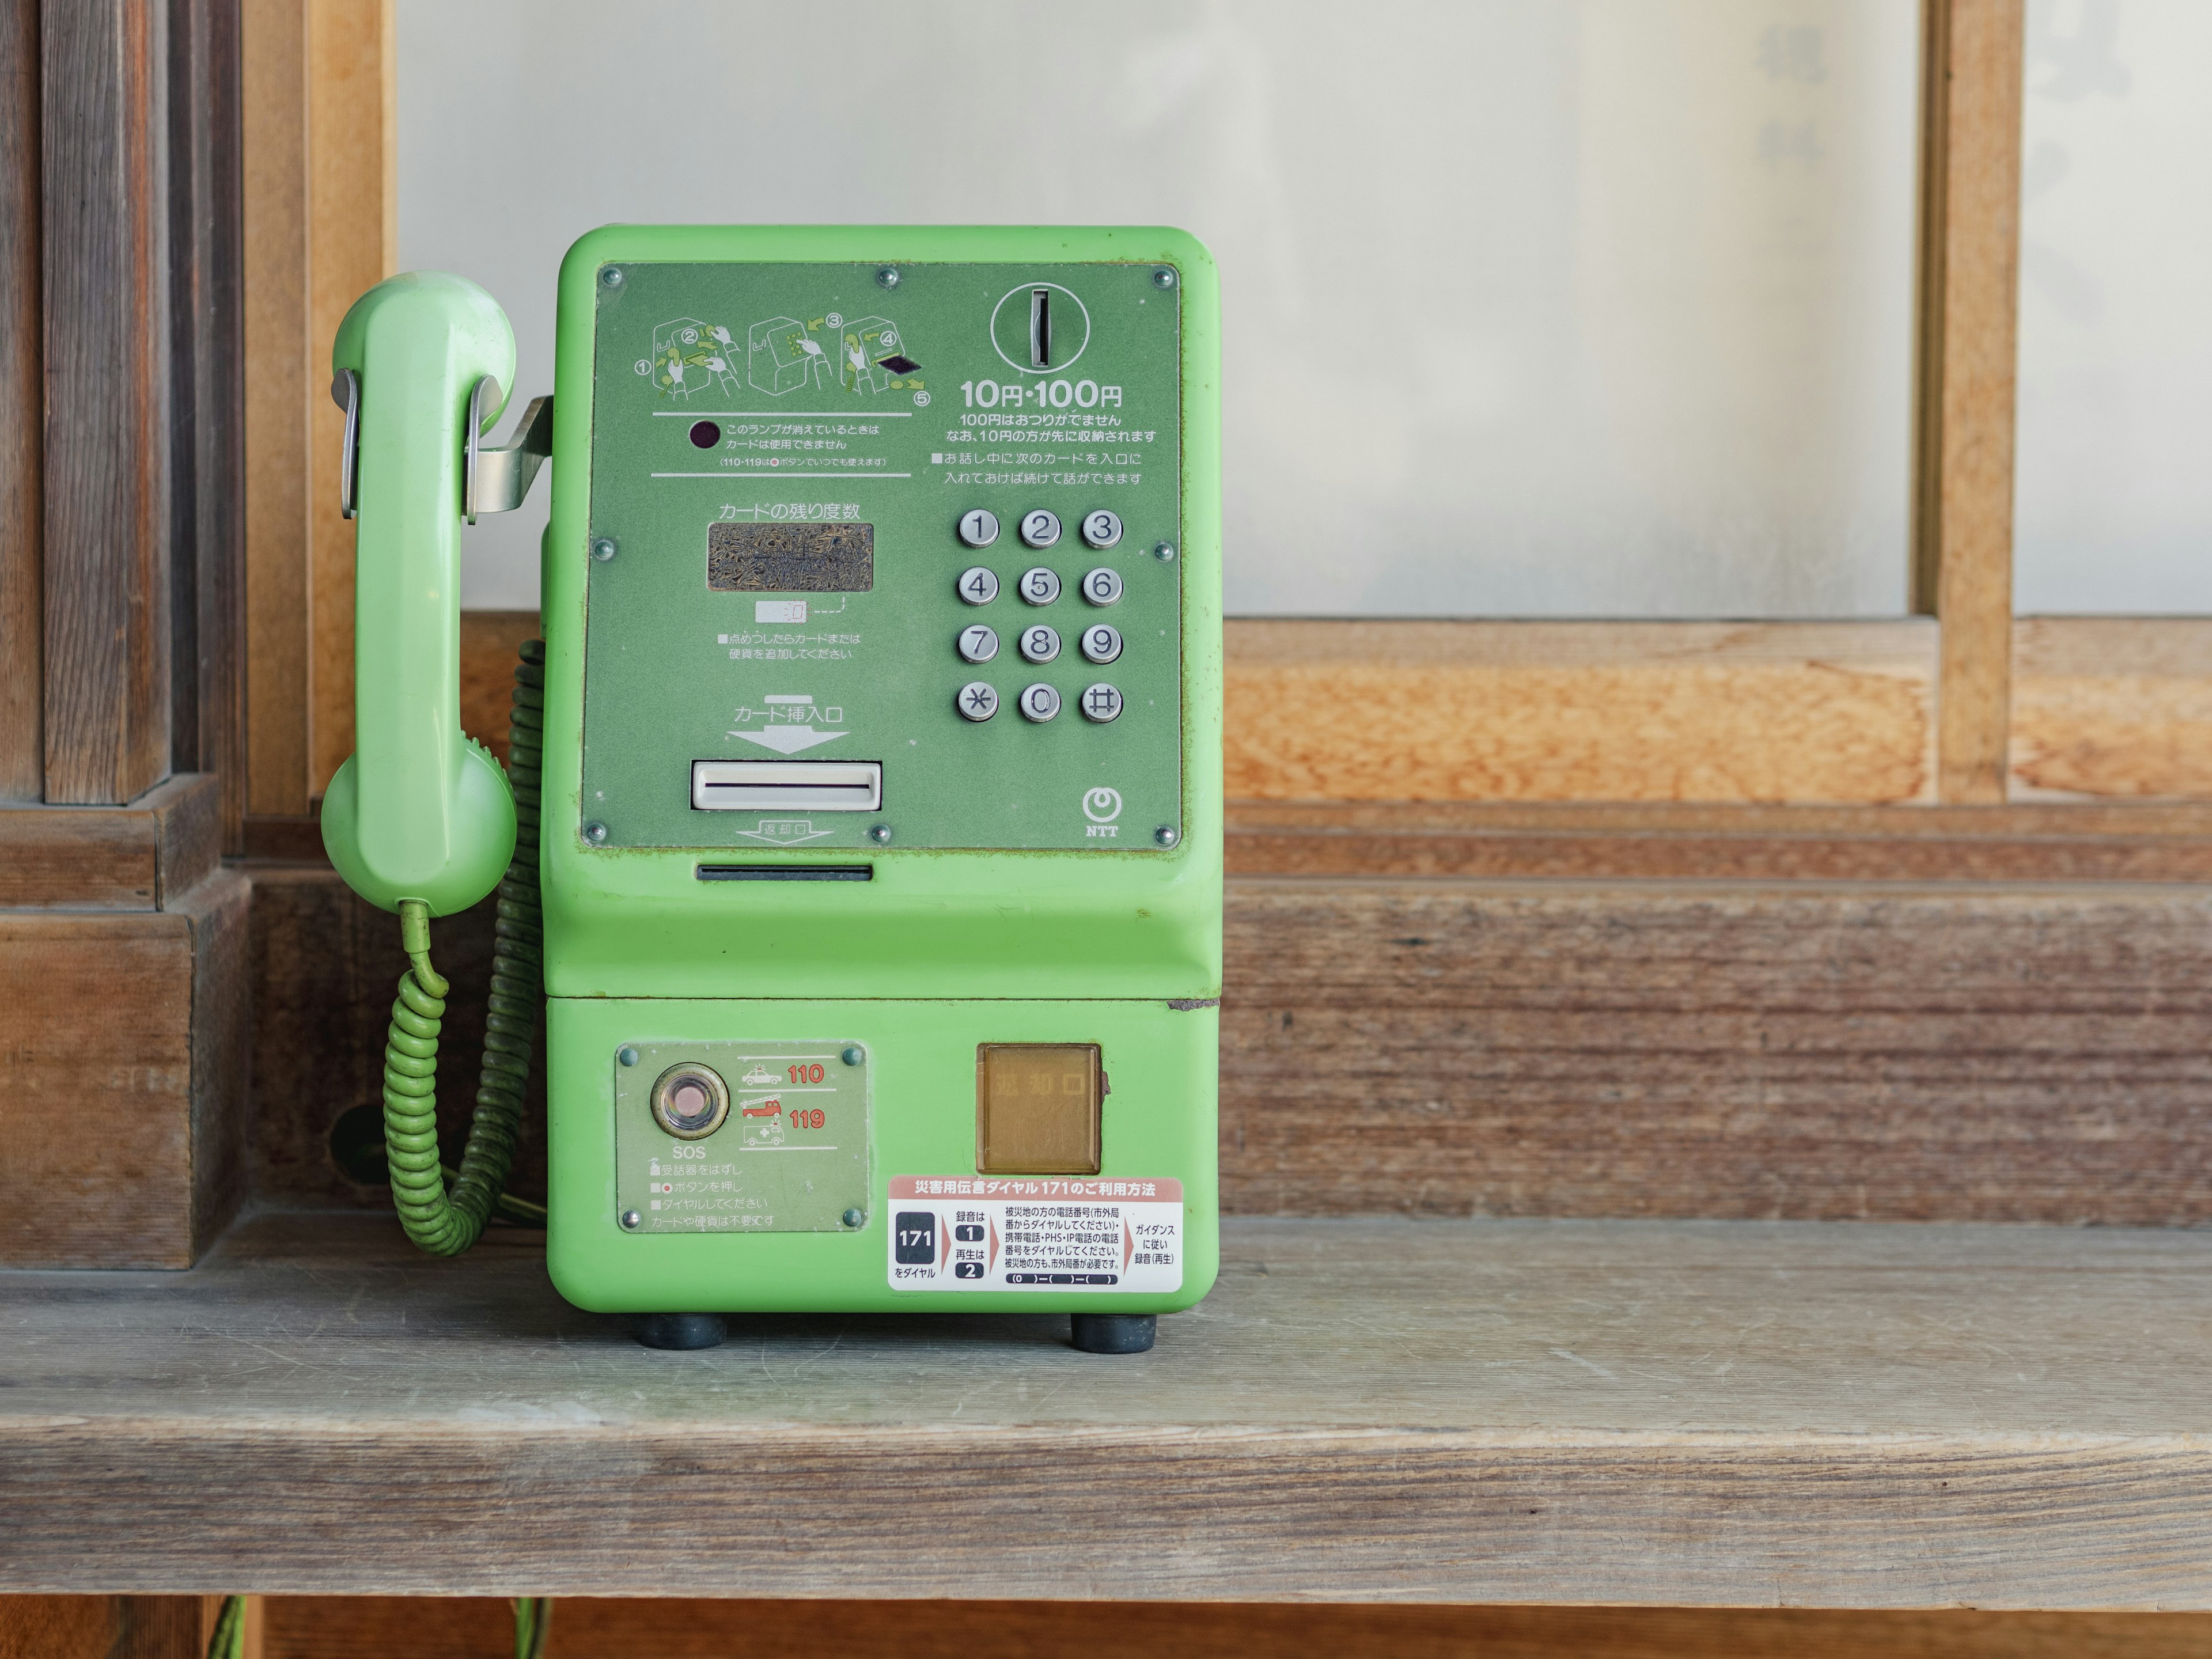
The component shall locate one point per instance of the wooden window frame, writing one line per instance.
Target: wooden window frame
(1957, 704)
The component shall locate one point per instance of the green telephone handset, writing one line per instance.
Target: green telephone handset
(420, 819)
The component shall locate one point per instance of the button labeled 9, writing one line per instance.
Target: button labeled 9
(1040, 528)
(1101, 644)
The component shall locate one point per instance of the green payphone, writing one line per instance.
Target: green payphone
(868, 777)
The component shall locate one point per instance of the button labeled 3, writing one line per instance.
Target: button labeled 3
(1101, 643)
(976, 701)
(978, 644)
(1040, 528)
(1039, 704)
(1039, 643)
(1101, 529)
(979, 528)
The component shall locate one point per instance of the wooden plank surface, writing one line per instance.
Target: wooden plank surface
(1580, 711)
(105, 483)
(2076, 843)
(22, 409)
(1702, 1413)
(1966, 370)
(123, 1054)
(279, 383)
(111, 858)
(375, 1627)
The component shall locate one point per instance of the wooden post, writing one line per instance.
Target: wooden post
(1971, 70)
(23, 392)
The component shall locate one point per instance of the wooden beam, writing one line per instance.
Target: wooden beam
(278, 388)
(352, 217)
(137, 857)
(1966, 363)
(2112, 707)
(1453, 1412)
(374, 1627)
(22, 409)
(106, 475)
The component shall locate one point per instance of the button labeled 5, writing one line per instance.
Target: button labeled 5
(1040, 585)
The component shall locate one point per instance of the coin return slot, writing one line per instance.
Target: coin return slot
(1036, 1108)
(786, 785)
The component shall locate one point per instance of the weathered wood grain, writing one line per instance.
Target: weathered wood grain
(490, 641)
(280, 382)
(1580, 711)
(1570, 1412)
(352, 224)
(123, 1054)
(2112, 706)
(1966, 362)
(1682, 843)
(1800, 1050)
(374, 1627)
(111, 858)
(22, 409)
(106, 478)
(1651, 1049)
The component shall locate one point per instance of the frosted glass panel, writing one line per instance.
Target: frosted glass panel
(1596, 307)
(2115, 459)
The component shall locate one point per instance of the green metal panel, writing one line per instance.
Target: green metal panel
(694, 433)
(1158, 1126)
(992, 912)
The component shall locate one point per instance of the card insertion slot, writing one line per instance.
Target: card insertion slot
(786, 785)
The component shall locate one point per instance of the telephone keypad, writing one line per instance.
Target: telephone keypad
(1039, 643)
(979, 527)
(1101, 704)
(978, 644)
(1101, 529)
(1040, 585)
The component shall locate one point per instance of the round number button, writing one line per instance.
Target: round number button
(1102, 585)
(980, 644)
(979, 528)
(1039, 643)
(976, 701)
(1101, 704)
(1101, 529)
(1040, 585)
(978, 586)
(1040, 528)
(1040, 703)
(1101, 644)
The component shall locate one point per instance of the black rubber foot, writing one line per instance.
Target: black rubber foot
(1115, 1333)
(681, 1330)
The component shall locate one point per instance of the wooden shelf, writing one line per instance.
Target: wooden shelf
(1679, 1413)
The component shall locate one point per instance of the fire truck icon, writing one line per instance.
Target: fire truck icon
(766, 1108)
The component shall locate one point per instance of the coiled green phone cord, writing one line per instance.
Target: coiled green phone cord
(442, 1222)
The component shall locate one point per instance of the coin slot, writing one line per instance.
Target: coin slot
(1040, 328)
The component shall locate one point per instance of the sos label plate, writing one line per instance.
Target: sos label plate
(791, 1157)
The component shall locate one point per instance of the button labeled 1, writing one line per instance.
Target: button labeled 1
(979, 528)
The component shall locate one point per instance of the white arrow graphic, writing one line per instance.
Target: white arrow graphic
(787, 739)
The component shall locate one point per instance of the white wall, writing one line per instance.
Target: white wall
(1589, 308)
(2115, 459)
